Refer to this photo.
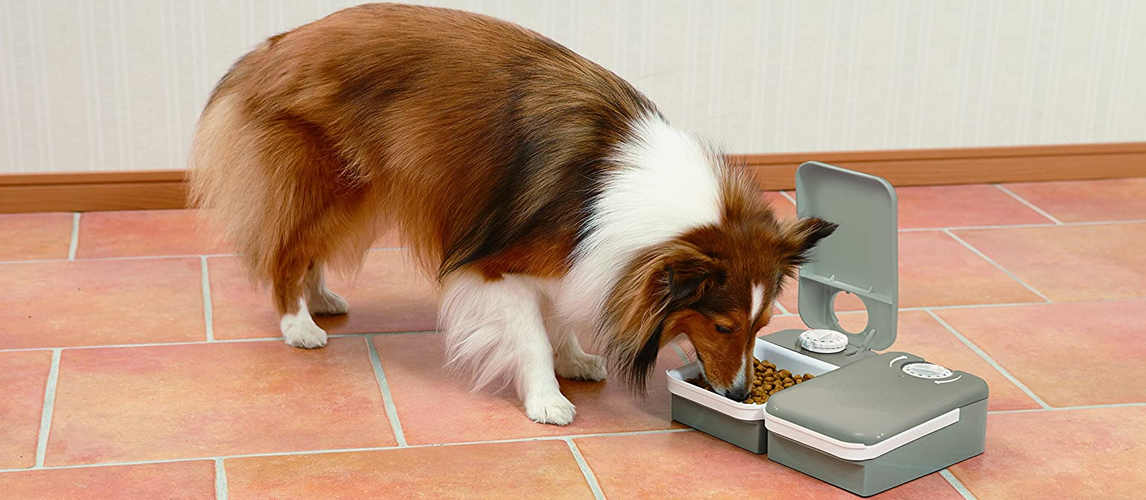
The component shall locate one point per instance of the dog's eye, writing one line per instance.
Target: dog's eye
(724, 329)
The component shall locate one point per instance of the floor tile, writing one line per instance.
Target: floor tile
(937, 207)
(138, 233)
(23, 375)
(389, 295)
(169, 481)
(1086, 201)
(936, 270)
(202, 400)
(1094, 453)
(538, 469)
(918, 333)
(1066, 263)
(423, 392)
(35, 236)
(99, 302)
(971, 205)
(1068, 354)
(695, 465)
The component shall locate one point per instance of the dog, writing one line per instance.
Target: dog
(545, 195)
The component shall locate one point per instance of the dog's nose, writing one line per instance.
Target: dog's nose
(737, 394)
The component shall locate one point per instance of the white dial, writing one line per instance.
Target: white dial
(823, 341)
(926, 370)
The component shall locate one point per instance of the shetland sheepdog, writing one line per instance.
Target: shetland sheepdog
(545, 195)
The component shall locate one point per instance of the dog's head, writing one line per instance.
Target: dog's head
(716, 285)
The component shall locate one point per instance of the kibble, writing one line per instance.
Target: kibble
(768, 381)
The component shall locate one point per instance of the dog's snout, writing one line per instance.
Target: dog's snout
(735, 393)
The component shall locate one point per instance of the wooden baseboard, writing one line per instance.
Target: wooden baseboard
(77, 192)
(85, 192)
(926, 167)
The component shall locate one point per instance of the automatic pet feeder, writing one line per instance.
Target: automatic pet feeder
(867, 422)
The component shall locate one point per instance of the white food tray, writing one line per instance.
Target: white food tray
(784, 359)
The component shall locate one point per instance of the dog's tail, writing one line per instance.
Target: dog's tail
(226, 180)
(271, 184)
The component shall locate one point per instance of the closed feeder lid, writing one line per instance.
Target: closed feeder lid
(870, 407)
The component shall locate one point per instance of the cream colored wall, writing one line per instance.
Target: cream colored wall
(118, 84)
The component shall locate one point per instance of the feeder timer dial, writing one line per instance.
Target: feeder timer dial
(926, 370)
(823, 341)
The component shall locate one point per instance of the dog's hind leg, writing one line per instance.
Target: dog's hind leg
(495, 330)
(570, 361)
(290, 271)
(320, 299)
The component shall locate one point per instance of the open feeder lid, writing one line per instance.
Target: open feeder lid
(860, 257)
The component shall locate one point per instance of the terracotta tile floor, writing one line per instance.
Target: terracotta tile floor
(158, 372)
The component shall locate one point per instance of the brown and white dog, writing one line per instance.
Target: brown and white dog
(546, 194)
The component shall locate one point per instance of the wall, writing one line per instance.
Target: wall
(118, 84)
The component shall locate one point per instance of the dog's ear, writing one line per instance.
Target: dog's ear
(664, 279)
(800, 236)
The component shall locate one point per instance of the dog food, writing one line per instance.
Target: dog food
(768, 381)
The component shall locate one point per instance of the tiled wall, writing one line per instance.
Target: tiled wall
(118, 84)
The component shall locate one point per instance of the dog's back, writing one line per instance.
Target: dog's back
(546, 194)
(457, 127)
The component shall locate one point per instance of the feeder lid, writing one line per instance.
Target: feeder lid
(859, 258)
(873, 406)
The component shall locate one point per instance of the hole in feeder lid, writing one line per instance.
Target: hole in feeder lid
(850, 312)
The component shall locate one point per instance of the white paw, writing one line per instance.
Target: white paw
(327, 303)
(550, 409)
(303, 333)
(584, 367)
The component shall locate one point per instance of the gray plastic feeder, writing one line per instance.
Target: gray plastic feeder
(871, 421)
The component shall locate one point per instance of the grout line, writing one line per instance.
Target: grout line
(220, 480)
(146, 257)
(217, 341)
(385, 249)
(1023, 226)
(1068, 408)
(996, 264)
(49, 406)
(680, 352)
(387, 398)
(133, 257)
(966, 306)
(783, 310)
(412, 332)
(1030, 205)
(989, 360)
(957, 484)
(789, 197)
(352, 450)
(972, 228)
(208, 311)
(588, 472)
(75, 242)
(1098, 223)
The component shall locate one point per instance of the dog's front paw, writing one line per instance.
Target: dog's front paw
(584, 367)
(550, 409)
(327, 303)
(303, 334)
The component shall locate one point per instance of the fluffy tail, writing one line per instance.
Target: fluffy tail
(276, 190)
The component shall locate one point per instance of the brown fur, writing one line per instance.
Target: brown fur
(485, 143)
(703, 279)
(476, 136)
